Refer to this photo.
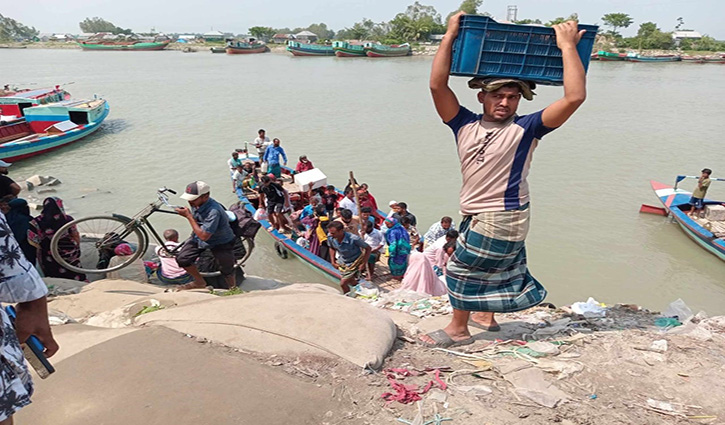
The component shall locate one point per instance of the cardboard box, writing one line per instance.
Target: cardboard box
(311, 179)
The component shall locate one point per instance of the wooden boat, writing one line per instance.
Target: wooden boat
(123, 45)
(302, 49)
(657, 58)
(13, 104)
(375, 50)
(703, 59)
(610, 57)
(286, 244)
(245, 47)
(218, 49)
(47, 127)
(343, 49)
(709, 234)
(594, 57)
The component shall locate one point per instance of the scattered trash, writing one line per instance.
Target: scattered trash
(660, 405)
(659, 346)
(679, 310)
(531, 383)
(543, 347)
(477, 390)
(667, 322)
(593, 397)
(408, 393)
(590, 309)
(562, 369)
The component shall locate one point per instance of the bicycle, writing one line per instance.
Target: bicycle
(108, 231)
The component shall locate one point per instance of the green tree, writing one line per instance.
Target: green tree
(616, 21)
(468, 6)
(561, 19)
(650, 37)
(93, 25)
(416, 23)
(12, 30)
(321, 30)
(528, 21)
(262, 33)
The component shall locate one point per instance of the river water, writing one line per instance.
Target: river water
(175, 118)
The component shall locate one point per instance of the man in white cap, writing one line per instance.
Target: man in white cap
(211, 230)
(488, 271)
(8, 187)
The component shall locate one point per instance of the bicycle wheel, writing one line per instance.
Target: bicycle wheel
(96, 237)
(248, 244)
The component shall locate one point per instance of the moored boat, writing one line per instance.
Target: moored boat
(12, 104)
(123, 45)
(610, 57)
(703, 59)
(656, 58)
(302, 49)
(50, 126)
(706, 232)
(245, 47)
(218, 49)
(375, 50)
(343, 49)
(286, 243)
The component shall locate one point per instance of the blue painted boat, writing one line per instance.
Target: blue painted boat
(302, 49)
(47, 127)
(707, 233)
(284, 244)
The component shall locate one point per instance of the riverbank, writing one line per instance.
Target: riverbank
(546, 365)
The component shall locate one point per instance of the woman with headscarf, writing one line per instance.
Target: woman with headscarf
(19, 218)
(42, 229)
(398, 247)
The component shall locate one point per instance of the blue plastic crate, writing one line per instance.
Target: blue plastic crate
(486, 48)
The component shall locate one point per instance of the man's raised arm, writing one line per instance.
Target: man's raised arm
(444, 99)
(575, 82)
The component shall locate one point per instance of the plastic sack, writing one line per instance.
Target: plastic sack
(591, 308)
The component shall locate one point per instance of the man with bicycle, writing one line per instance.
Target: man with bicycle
(211, 230)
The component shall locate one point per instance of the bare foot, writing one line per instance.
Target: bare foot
(190, 286)
(484, 319)
(455, 334)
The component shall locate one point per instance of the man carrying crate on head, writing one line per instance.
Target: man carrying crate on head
(487, 273)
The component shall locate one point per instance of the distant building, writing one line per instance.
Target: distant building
(435, 38)
(686, 35)
(214, 36)
(186, 37)
(85, 36)
(45, 36)
(306, 37)
(282, 38)
(61, 37)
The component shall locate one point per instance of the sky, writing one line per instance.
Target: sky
(236, 16)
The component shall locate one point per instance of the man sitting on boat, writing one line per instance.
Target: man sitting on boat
(703, 183)
(488, 271)
(234, 162)
(353, 254)
(437, 230)
(271, 157)
(274, 197)
(348, 202)
(304, 165)
(350, 222)
(376, 240)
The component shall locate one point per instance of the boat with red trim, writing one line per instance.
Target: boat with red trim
(12, 103)
(47, 127)
(707, 231)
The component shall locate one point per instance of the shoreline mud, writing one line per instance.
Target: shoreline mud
(612, 364)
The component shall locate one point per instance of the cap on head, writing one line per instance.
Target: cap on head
(195, 190)
(5, 164)
(707, 171)
(492, 84)
(391, 203)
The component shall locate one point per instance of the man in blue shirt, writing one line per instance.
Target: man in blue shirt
(353, 251)
(271, 157)
(211, 230)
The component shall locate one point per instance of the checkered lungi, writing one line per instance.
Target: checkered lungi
(488, 272)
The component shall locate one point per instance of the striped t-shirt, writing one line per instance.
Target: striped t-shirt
(495, 159)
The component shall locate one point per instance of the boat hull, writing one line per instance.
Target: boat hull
(12, 152)
(309, 52)
(245, 51)
(125, 47)
(377, 54)
(672, 199)
(653, 59)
